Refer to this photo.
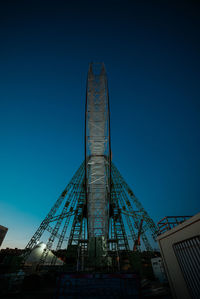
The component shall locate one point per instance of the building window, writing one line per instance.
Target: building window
(188, 256)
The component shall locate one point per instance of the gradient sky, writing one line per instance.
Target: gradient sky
(151, 53)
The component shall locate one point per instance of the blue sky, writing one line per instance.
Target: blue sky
(151, 53)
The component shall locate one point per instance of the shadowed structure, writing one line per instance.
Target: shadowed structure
(97, 217)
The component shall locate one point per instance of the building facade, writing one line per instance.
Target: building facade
(180, 250)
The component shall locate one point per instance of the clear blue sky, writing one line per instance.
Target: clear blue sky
(151, 53)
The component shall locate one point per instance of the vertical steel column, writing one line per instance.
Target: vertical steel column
(97, 152)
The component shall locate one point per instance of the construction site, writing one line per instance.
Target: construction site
(98, 240)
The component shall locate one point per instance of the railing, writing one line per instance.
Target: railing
(169, 222)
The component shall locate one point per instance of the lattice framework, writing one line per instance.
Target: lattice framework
(97, 201)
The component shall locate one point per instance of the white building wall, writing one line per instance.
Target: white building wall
(158, 269)
(184, 231)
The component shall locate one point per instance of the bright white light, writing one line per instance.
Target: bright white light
(43, 246)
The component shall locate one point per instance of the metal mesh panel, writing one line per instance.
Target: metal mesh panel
(97, 151)
(188, 256)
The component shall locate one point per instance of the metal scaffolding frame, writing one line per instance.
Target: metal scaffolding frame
(97, 202)
(97, 151)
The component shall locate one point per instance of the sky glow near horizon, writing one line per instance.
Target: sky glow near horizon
(151, 54)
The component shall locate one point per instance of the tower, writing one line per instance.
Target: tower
(97, 161)
(97, 217)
